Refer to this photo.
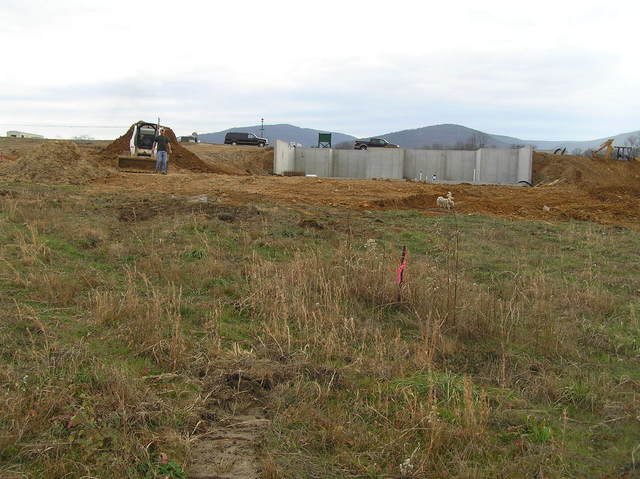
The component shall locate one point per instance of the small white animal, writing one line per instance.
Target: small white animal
(447, 202)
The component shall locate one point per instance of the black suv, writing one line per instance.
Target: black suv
(373, 143)
(236, 138)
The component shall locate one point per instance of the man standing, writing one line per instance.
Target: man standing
(163, 148)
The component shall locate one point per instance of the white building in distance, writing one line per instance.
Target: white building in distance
(22, 134)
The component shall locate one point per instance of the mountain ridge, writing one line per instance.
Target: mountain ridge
(445, 135)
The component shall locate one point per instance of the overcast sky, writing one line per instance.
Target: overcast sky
(536, 70)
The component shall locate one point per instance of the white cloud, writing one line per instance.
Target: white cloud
(538, 70)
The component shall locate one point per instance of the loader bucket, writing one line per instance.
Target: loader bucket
(132, 163)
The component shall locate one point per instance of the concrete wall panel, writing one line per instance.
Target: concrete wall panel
(460, 166)
(497, 166)
(384, 163)
(350, 163)
(314, 161)
(283, 158)
(424, 164)
(447, 165)
(525, 164)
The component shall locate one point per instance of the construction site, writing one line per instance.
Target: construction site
(566, 187)
(263, 313)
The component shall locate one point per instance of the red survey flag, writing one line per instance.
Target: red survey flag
(401, 268)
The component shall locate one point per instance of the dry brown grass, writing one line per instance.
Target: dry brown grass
(129, 339)
(269, 469)
(337, 309)
(146, 317)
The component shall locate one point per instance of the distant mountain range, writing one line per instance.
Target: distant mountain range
(435, 136)
(446, 136)
(620, 140)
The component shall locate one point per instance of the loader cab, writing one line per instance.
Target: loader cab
(146, 135)
(143, 137)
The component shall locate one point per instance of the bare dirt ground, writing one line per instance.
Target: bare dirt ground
(584, 172)
(235, 160)
(601, 191)
(230, 450)
(612, 206)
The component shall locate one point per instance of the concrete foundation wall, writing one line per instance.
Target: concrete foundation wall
(525, 164)
(460, 166)
(483, 166)
(384, 163)
(283, 158)
(350, 163)
(498, 167)
(448, 165)
(315, 161)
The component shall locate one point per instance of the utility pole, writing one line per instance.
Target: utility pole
(262, 127)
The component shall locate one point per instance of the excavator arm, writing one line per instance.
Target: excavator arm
(608, 146)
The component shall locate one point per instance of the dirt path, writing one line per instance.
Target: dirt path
(236, 415)
(230, 450)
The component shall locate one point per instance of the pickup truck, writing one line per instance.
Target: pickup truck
(373, 143)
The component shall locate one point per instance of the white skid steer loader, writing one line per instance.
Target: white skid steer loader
(142, 147)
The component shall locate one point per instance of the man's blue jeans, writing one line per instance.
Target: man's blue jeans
(161, 161)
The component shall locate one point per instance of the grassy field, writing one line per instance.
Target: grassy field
(133, 323)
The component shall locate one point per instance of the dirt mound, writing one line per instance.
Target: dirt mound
(180, 156)
(57, 162)
(584, 172)
(235, 160)
(17, 147)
